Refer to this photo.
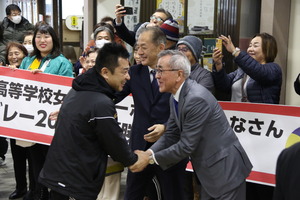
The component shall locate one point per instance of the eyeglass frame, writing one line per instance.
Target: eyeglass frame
(183, 49)
(159, 71)
(159, 19)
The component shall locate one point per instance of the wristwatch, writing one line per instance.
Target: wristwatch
(235, 51)
(151, 160)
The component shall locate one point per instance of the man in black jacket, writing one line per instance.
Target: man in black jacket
(288, 174)
(12, 28)
(87, 130)
(297, 85)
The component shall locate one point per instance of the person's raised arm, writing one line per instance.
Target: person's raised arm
(119, 13)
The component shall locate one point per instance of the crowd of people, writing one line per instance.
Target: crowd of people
(177, 119)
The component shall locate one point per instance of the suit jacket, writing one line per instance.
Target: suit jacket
(288, 174)
(125, 34)
(148, 110)
(202, 132)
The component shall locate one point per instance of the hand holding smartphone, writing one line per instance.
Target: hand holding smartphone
(129, 10)
(219, 44)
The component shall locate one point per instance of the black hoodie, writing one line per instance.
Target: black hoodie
(86, 132)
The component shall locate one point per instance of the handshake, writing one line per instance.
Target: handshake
(142, 162)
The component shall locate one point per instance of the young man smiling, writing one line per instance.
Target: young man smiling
(87, 133)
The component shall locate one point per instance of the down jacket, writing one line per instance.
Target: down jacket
(10, 31)
(265, 80)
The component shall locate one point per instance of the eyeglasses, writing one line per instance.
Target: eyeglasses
(183, 49)
(156, 18)
(159, 71)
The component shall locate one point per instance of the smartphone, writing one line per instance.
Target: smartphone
(129, 10)
(219, 44)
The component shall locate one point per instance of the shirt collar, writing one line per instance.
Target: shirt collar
(176, 96)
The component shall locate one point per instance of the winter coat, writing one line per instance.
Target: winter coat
(202, 76)
(264, 84)
(87, 131)
(58, 65)
(10, 31)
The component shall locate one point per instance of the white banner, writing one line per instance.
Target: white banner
(27, 99)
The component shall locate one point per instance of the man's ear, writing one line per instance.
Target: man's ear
(104, 73)
(180, 75)
(162, 46)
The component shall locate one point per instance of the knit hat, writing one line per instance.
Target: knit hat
(193, 43)
(171, 29)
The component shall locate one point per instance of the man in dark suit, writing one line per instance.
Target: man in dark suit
(151, 111)
(288, 174)
(198, 128)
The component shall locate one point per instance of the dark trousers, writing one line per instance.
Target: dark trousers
(20, 155)
(57, 196)
(238, 193)
(171, 182)
(259, 192)
(38, 153)
(3, 147)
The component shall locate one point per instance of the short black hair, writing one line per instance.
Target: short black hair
(44, 29)
(108, 56)
(11, 7)
(93, 50)
(107, 18)
(28, 33)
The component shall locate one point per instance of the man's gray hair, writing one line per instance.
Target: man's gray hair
(178, 61)
(157, 35)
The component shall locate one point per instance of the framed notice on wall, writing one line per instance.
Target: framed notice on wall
(200, 16)
(132, 20)
(176, 8)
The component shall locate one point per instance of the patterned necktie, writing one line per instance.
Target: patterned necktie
(154, 84)
(176, 106)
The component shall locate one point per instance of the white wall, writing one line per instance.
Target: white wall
(293, 64)
(72, 7)
(2, 10)
(106, 8)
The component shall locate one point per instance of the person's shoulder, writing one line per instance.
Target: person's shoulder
(273, 64)
(195, 87)
(26, 62)
(5, 22)
(28, 58)
(202, 70)
(294, 149)
(62, 58)
(136, 68)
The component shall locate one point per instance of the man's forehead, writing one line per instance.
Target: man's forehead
(144, 39)
(160, 14)
(163, 61)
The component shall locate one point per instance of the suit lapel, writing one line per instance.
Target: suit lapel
(181, 102)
